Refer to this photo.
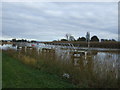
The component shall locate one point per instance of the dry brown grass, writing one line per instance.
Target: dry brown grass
(28, 60)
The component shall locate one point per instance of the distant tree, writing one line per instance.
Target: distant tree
(95, 38)
(102, 40)
(81, 39)
(33, 41)
(28, 41)
(19, 40)
(23, 40)
(113, 40)
(64, 40)
(54, 40)
(68, 36)
(13, 40)
(106, 40)
(78, 39)
(71, 38)
(4, 41)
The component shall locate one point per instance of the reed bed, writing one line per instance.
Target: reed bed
(86, 74)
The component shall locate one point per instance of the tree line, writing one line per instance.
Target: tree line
(20, 40)
(68, 37)
(94, 38)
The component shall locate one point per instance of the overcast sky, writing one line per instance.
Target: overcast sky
(49, 21)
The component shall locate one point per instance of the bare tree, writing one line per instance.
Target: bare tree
(71, 38)
(68, 35)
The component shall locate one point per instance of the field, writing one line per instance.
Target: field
(18, 75)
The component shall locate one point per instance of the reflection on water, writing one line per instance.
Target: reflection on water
(92, 61)
(7, 46)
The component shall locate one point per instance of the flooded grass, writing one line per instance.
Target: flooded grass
(98, 70)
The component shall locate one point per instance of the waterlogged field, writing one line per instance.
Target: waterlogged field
(94, 69)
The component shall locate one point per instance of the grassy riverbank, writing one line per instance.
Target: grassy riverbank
(28, 68)
(17, 75)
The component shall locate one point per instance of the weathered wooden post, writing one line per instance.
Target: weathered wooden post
(85, 55)
(38, 51)
(25, 49)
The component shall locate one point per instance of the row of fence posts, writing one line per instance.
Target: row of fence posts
(75, 54)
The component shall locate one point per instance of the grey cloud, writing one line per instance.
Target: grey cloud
(49, 21)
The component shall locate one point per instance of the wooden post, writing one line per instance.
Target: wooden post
(38, 51)
(25, 49)
(85, 55)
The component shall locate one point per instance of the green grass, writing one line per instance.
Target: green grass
(17, 75)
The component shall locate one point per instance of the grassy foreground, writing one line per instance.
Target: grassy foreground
(17, 75)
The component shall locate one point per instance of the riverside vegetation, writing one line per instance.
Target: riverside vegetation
(81, 76)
